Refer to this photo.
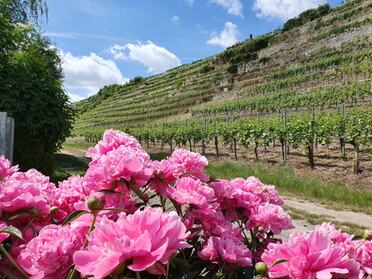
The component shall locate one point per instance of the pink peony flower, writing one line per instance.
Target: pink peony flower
(225, 193)
(49, 255)
(183, 163)
(17, 194)
(3, 236)
(212, 224)
(363, 255)
(39, 180)
(209, 251)
(228, 248)
(253, 186)
(333, 233)
(146, 238)
(193, 192)
(5, 169)
(112, 139)
(309, 256)
(239, 196)
(71, 191)
(122, 163)
(269, 216)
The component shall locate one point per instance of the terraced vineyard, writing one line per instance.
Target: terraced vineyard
(316, 70)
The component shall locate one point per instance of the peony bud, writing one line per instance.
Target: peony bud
(53, 210)
(261, 268)
(367, 235)
(260, 229)
(96, 202)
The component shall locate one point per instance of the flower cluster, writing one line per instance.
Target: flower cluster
(130, 216)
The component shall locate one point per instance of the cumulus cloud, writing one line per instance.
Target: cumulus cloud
(175, 19)
(284, 9)
(157, 59)
(87, 74)
(233, 7)
(227, 37)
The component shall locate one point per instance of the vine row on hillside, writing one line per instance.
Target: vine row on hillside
(353, 127)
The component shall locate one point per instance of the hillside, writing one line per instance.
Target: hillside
(320, 63)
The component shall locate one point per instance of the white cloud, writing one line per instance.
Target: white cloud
(227, 37)
(74, 97)
(156, 59)
(284, 9)
(87, 74)
(233, 7)
(190, 2)
(175, 19)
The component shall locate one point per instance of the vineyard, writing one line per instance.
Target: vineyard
(305, 86)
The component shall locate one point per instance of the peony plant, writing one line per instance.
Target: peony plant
(131, 217)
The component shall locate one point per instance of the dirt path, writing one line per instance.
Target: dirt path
(81, 158)
(358, 218)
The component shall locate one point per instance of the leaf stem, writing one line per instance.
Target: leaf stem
(13, 261)
(73, 271)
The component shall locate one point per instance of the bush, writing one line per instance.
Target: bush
(232, 69)
(206, 68)
(306, 16)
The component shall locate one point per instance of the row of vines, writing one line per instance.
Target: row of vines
(349, 127)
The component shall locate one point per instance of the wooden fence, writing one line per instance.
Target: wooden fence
(6, 136)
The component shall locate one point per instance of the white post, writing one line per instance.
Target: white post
(10, 138)
(6, 136)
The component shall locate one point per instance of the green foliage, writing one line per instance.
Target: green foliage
(32, 93)
(136, 79)
(306, 16)
(245, 51)
(206, 68)
(340, 29)
(264, 60)
(232, 69)
(243, 57)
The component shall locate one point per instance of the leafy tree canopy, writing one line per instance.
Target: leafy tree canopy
(31, 87)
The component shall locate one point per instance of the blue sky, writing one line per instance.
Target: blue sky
(103, 42)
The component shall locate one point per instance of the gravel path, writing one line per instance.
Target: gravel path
(357, 218)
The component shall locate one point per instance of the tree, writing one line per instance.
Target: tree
(32, 92)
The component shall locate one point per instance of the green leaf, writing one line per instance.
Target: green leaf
(73, 216)
(108, 192)
(278, 262)
(12, 231)
(357, 237)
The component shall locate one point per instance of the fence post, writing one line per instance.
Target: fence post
(6, 136)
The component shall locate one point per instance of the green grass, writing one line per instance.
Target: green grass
(287, 184)
(66, 166)
(158, 156)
